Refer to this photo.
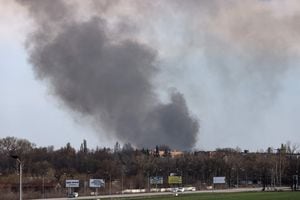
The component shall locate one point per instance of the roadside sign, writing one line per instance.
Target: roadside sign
(219, 180)
(175, 180)
(156, 180)
(97, 183)
(72, 183)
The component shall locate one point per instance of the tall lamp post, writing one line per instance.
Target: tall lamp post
(279, 151)
(297, 173)
(17, 158)
(110, 184)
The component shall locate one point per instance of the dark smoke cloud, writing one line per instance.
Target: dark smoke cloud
(236, 56)
(109, 79)
(232, 59)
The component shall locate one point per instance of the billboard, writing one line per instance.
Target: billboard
(97, 183)
(219, 180)
(174, 179)
(72, 183)
(154, 180)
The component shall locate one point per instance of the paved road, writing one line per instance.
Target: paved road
(166, 193)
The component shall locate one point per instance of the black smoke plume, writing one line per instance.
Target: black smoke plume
(106, 77)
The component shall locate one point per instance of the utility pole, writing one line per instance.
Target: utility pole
(297, 173)
(43, 186)
(122, 183)
(148, 181)
(237, 177)
(279, 150)
(280, 168)
(109, 184)
(21, 171)
(17, 158)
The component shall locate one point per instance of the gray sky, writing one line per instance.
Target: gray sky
(235, 63)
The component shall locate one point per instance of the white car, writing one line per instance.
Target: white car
(178, 190)
(73, 195)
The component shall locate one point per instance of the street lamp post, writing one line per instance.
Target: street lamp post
(237, 177)
(110, 184)
(297, 173)
(17, 158)
(122, 182)
(86, 182)
(279, 151)
(43, 186)
(148, 181)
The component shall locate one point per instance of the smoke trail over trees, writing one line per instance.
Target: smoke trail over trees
(106, 78)
(115, 60)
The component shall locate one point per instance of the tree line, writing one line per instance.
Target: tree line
(133, 167)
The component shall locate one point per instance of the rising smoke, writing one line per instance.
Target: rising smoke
(114, 60)
(99, 74)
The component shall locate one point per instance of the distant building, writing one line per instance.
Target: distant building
(172, 153)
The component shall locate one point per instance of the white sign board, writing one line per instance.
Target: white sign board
(156, 180)
(97, 183)
(72, 183)
(219, 180)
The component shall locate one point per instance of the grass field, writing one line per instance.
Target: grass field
(233, 196)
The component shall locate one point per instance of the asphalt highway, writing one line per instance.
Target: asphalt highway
(163, 193)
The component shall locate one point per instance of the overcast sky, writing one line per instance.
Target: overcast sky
(235, 62)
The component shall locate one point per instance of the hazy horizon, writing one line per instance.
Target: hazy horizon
(194, 74)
